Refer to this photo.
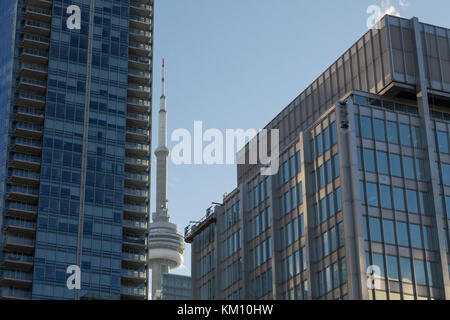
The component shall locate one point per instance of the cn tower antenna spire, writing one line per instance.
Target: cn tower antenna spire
(163, 93)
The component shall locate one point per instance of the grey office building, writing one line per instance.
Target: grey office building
(175, 287)
(360, 208)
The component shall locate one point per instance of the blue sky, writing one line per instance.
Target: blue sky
(238, 63)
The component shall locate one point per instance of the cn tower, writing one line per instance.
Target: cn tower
(166, 243)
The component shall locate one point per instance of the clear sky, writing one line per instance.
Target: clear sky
(238, 63)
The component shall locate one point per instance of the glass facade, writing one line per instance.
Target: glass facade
(77, 156)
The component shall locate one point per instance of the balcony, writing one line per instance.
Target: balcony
(39, 14)
(134, 260)
(27, 228)
(28, 130)
(21, 210)
(133, 276)
(45, 4)
(134, 243)
(137, 149)
(139, 49)
(33, 147)
(136, 164)
(138, 105)
(140, 9)
(139, 63)
(18, 244)
(137, 135)
(35, 42)
(16, 278)
(24, 177)
(138, 211)
(35, 56)
(7, 293)
(33, 71)
(139, 77)
(140, 36)
(137, 120)
(139, 22)
(32, 85)
(135, 195)
(17, 261)
(26, 194)
(38, 28)
(138, 91)
(25, 162)
(29, 115)
(135, 227)
(133, 293)
(30, 100)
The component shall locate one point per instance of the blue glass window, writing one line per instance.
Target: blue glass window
(380, 134)
(375, 229)
(399, 199)
(402, 234)
(405, 135)
(366, 123)
(383, 167)
(392, 130)
(388, 230)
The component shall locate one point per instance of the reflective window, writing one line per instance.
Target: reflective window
(388, 231)
(405, 269)
(402, 234)
(326, 139)
(405, 135)
(372, 194)
(399, 199)
(375, 229)
(392, 131)
(378, 260)
(442, 138)
(380, 134)
(392, 266)
(417, 137)
(366, 123)
(357, 130)
(369, 160)
(419, 270)
(396, 167)
(408, 166)
(411, 199)
(416, 236)
(382, 162)
(385, 196)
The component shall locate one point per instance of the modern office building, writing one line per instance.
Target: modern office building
(166, 243)
(175, 287)
(75, 120)
(363, 190)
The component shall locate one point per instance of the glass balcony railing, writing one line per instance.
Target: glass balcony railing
(15, 293)
(136, 176)
(138, 116)
(142, 6)
(141, 46)
(39, 10)
(18, 257)
(138, 87)
(137, 146)
(135, 192)
(135, 161)
(134, 257)
(139, 59)
(132, 291)
(25, 157)
(140, 19)
(141, 74)
(16, 275)
(135, 208)
(20, 224)
(33, 37)
(143, 132)
(144, 103)
(30, 111)
(33, 82)
(24, 174)
(135, 240)
(19, 241)
(31, 97)
(144, 33)
(28, 142)
(24, 190)
(35, 52)
(34, 67)
(41, 25)
(22, 207)
(135, 224)
(27, 126)
(133, 273)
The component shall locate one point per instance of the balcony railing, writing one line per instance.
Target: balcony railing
(134, 274)
(135, 224)
(141, 19)
(132, 291)
(138, 116)
(19, 241)
(134, 257)
(22, 207)
(39, 10)
(18, 257)
(27, 126)
(140, 46)
(15, 293)
(34, 67)
(135, 208)
(28, 142)
(28, 191)
(139, 60)
(136, 192)
(35, 52)
(24, 174)
(41, 25)
(137, 146)
(136, 161)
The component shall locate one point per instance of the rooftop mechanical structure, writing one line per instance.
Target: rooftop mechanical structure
(166, 243)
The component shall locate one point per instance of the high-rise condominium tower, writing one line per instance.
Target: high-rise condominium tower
(363, 189)
(75, 119)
